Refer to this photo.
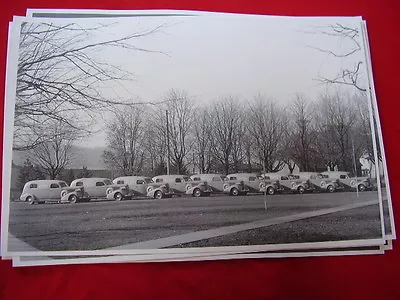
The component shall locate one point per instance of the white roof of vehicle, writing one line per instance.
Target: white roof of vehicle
(208, 175)
(89, 180)
(242, 175)
(132, 178)
(45, 181)
(335, 173)
(274, 174)
(307, 173)
(169, 177)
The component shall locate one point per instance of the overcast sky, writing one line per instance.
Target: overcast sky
(211, 57)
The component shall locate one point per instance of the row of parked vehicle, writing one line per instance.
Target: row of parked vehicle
(165, 186)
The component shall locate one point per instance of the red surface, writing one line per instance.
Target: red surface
(362, 277)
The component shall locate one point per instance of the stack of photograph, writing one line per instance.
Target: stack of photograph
(162, 135)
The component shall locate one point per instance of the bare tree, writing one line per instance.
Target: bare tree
(338, 121)
(364, 133)
(288, 148)
(155, 147)
(61, 77)
(124, 152)
(238, 149)
(54, 154)
(247, 145)
(180, 109)
(202, 144)
(350, 74)
(225, 120)
(267, 126)
(301, 134)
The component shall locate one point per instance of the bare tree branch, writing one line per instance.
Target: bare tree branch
(61, 77)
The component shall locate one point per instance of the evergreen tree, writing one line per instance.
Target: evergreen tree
(85, 173)
(29, 172)
(70, 176)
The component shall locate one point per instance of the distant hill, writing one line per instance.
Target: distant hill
(82, 156)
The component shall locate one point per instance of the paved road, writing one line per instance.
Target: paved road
(103, 224)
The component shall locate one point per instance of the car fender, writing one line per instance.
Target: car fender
(66, 196)
(24, 196)
(238, 186)
(189, 190)
(150, 188)
(227, 189)
(111, 195)
(153, 191)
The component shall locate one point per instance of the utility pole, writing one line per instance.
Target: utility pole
(355, 166)
(265, 191)
(194, 165)
(168, 154)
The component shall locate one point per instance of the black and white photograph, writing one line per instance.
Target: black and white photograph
(191, 135)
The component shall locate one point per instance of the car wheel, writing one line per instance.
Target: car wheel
(361, 188)
(118, 196)
(271, 191)
(234, 192)
(331, 188)
(30, 200)
(158, 195)
(196, 192)
(300, 190)
(73, 199)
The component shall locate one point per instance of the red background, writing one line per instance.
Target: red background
(362, 277)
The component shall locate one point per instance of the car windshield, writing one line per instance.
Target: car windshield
(186, 179)
(148, 180)
(294, 177)
(107, 181)
(62, 184)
